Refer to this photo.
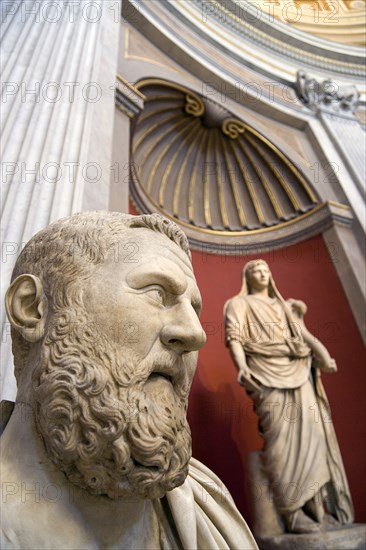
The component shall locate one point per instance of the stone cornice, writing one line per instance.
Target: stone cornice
(322, 218)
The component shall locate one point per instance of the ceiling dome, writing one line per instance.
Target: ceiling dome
(340, 21)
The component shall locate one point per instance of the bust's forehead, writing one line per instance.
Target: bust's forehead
(144, 244)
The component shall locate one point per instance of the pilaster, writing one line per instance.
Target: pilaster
(59, 66)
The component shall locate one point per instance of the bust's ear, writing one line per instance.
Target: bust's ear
(26, 306)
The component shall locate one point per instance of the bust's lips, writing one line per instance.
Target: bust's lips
(172, 372)
(160, 376)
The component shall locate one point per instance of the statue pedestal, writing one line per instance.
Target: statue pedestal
(350, 537)
(269, 530)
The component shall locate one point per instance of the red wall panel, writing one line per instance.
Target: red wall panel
(224, 427)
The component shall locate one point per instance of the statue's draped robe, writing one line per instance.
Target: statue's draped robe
(204, 513)
(300, 453)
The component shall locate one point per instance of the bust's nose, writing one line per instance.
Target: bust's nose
(183, 331)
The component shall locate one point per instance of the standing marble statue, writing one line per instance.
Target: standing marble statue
(274, 354)
(104, 309)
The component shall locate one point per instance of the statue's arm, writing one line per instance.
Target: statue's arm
(235, 319)
(238, 356)
(323, 360)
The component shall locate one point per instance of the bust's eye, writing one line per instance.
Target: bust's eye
(157, 294)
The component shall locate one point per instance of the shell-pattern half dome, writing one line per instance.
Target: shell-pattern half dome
(201, 166)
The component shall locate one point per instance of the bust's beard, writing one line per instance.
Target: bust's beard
(108, 428)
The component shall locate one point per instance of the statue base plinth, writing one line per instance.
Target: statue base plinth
(350, 537)
(269, 529)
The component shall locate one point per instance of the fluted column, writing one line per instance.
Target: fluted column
(59, 70)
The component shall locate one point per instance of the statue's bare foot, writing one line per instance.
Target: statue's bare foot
(299, 522)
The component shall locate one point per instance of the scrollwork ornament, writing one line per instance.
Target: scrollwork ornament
(233, 128)
(194, 106)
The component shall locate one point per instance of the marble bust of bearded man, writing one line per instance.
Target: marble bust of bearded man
(104, 309)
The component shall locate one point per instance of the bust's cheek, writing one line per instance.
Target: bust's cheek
(139, 326)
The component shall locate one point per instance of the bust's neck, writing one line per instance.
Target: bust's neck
(38, 494)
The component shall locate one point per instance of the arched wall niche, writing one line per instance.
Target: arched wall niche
(226, 183)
